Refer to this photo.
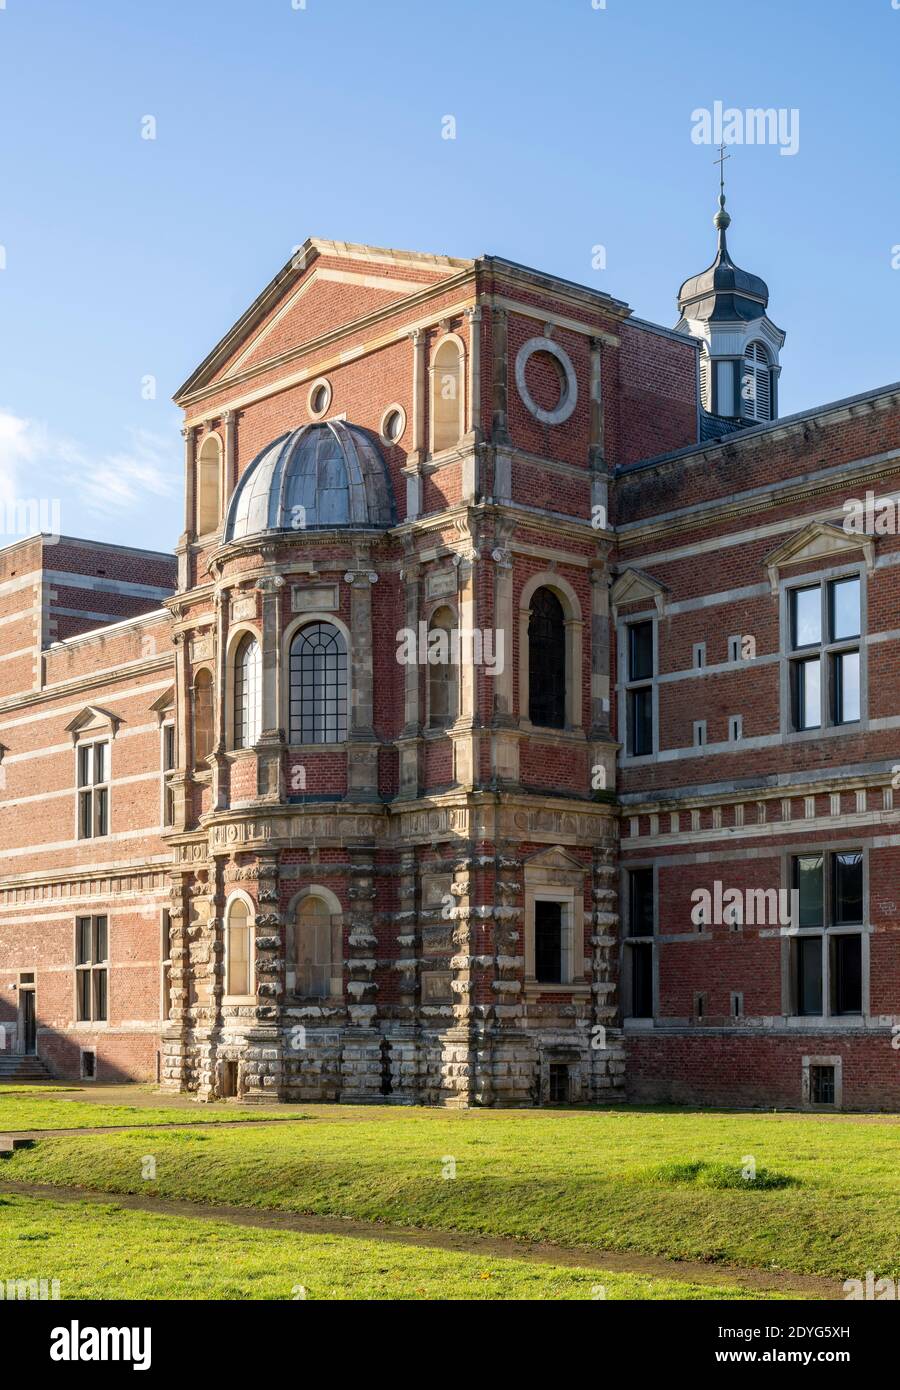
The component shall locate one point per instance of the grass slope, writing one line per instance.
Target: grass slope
(613, 1179)
(99, 1251)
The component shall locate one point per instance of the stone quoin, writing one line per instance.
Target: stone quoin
(249, 851)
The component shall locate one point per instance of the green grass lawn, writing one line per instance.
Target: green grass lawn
(101, 1251)
(24, 1109)
(654, 1181)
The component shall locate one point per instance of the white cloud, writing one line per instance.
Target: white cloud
(37, 463)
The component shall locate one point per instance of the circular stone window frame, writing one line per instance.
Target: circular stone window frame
(395, 409)
(319, 383)
(568, 399)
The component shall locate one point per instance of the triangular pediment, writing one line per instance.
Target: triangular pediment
(820, 540)
(325, 287)
(93, 719)
(554, 858)
(634, 585)
(165, 702)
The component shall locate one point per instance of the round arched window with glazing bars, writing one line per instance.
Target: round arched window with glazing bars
(318, 689)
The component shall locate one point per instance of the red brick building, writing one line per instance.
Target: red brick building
(505, 626)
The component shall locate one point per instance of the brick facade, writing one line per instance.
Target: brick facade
(545, 442)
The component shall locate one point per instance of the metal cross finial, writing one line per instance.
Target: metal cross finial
(721, 163)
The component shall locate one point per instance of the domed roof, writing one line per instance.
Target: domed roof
(322, 476)
(723, 291)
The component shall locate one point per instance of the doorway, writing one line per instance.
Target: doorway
(29, 1020)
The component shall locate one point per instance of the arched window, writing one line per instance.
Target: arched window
(318, 712)
(443, 673)
(238, 952)
(314, 950)
(209, 485)
(247, 692)
(756, 384)
(446, 396)
(203, 716)
(547, 661)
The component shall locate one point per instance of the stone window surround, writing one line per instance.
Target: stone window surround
(864, 930)
(435, 606)
(216, 438)
(90, 1025)
(623, 685)
(569, 395)
(461, 393)
(545, 882)
(235, 633)
(822, 578)
(90, 737)
(314, 386)
(395, 408)
(806, 1082)
(313, 890)
(238, 895)
(302, 620)
(574, 626)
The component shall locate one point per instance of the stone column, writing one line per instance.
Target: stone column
(363, 1068)
(473, 420)
(362, 766)
(418, 451)
(184, 576)
(229, 419)
(465, 752)
(410, 740)
(271, 738)
(220, 786)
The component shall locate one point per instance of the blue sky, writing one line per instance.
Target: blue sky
(127, 258)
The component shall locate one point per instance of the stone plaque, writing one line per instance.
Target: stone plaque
(441, 584)
(314, 597)
(202, 647)
(243, 606)
(436, 987)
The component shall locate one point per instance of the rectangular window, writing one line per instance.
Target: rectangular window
(808, 693)
(846, 974)
(169, 765)
(548, 942)
(640, 666)
(847, 902)
(825, 683)
(641, 980)
(830, 890)
(91, 968)
(809, 975)
(641, 721)
(93, 790)
(821, 1085)
(640, 651)
(640, 902)
(559, 1083)
(809, 883)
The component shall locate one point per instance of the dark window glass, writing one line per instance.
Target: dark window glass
(845, 687)
(83, 941)
(168, 747)
(641, 981)
(844, 609)
(84, 995)
(99, 994)
(318, 685)
(807, 693)
(640, 914)
(640, 722)
(548, 942)
(847, 871)
(846, 974)
(809, 883)
(100, 939)
(247, 693)
(809, 975)
(806, 617)
(559, 1083)
(547, 661)
(822, 1085)
(640, 651)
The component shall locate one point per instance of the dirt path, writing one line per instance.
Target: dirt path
(36, 1134)
(614, 1261)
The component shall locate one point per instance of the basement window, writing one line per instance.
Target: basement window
(821, 1085)
(88, 1066)
(559, 1083)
